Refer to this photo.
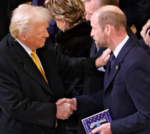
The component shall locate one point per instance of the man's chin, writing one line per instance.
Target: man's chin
(42, 45)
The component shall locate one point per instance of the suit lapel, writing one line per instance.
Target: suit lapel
(51, 69)
(109, 75)
(28, 65)
(117, 65)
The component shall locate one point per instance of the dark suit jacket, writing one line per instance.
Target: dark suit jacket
(95, 84)
(126, 92)
(27, 102)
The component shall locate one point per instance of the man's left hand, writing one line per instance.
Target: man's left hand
(104, 129)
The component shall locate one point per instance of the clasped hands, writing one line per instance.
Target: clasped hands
(65, 108)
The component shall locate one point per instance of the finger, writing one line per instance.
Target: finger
(145, 27)
(72, 102)
(107, 58)
(68, 101)
(147, 39)
(108, 50)
(106, 53)
(96, 130)
(73, 108)
(60, 117)
(63, 117)
(60, 101)
(71, 112)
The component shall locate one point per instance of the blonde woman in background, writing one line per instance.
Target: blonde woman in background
(74, 41)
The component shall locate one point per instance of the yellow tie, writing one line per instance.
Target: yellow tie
(37, 63)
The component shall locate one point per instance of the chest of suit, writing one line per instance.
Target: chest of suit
(116, 96)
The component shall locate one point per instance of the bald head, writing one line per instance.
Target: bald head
(111, 15)
(92, 5)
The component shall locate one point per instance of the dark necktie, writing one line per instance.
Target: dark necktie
(111, 60)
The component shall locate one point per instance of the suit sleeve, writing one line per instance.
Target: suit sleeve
(17, 106)
(90, 104)
(138, 86)
(76, 67)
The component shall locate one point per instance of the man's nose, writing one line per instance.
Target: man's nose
(46, 34)
(88, 17)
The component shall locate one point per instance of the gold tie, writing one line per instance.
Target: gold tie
(37, 63)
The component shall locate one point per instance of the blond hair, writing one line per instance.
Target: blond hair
(70, 10)
(25, 16)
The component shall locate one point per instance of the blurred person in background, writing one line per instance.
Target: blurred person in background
(137, 13)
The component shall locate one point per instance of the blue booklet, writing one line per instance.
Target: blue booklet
(96, 120)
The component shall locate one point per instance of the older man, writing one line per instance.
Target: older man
(127, 77)
(30, 71)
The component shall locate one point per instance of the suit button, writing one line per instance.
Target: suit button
(40, 121)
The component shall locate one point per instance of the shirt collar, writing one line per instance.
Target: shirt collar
(118, 48)
(28, 50)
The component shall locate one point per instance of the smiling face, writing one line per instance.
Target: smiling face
(37, 36)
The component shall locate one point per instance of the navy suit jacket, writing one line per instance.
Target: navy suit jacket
(96, 84)
(126, 92)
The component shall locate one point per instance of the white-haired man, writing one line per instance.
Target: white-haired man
(30, 71)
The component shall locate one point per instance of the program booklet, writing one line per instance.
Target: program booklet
(96, 120)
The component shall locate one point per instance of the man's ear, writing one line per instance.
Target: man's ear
(22, 36)
(108, 29)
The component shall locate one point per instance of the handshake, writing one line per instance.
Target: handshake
(65, 108)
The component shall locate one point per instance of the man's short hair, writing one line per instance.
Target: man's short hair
(25, 16)
(117, 20)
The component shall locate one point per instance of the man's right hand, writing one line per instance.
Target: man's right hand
(72, 102)
(64, 111)
(65, 107)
